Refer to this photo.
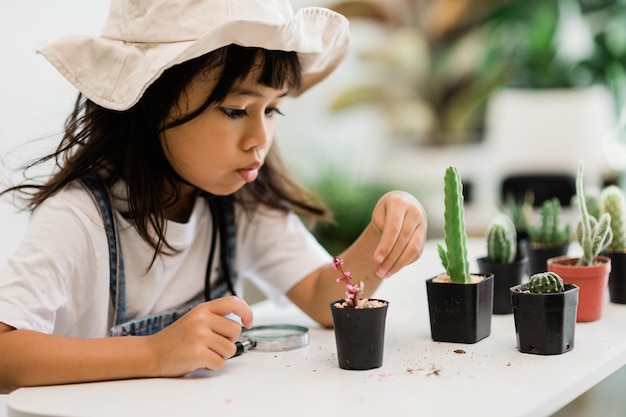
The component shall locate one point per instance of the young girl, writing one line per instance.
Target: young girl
(168, 188)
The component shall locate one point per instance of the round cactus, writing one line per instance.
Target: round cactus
(545, 283)
(501, 240)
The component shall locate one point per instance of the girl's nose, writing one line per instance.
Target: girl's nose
(259, 133)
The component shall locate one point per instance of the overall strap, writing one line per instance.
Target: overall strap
(222, 211)
(117, 284)
(223, 214)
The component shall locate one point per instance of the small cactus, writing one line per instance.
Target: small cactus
(501, 240)
(613, 202)
(519, 211)
(545, 283)
(550, 233)
(454, 256)
(593, 235)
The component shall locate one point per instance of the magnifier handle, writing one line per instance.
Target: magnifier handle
(242, 346)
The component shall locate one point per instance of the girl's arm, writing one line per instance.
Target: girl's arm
(393, 239)
(202, 338)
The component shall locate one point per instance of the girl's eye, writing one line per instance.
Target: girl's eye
(233, 113)
(239, 113)
(270, 111)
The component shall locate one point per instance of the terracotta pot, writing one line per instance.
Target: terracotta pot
(359, 336)
(592, 281)
(460, 313)
(505, 276)
(544, 323)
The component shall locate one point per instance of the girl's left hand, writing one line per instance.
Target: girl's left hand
(400, 220)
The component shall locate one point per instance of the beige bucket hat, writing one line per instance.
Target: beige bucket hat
(143, 38)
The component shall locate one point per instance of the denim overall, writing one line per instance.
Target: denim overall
(222, 212)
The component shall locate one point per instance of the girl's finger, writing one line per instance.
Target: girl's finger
(232, 305)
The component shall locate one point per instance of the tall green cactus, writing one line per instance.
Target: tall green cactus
(545, 283)
(613, 202)
(593, 235)
(501, 240)
(550, 232)
(454, 256)
(520, 211)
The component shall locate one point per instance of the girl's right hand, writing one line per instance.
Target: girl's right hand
(202, 338)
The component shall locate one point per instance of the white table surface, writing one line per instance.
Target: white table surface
(418, 376)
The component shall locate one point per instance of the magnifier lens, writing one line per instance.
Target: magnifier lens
(276, 337)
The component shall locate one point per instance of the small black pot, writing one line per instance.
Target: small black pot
(359, 336)
(505, 276)
(617, 277)
(522, 244)
(538, 256)
(460, 313)
(544, 323)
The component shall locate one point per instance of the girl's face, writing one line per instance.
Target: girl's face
(224, 147)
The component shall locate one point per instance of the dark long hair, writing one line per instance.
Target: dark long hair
(125, 145)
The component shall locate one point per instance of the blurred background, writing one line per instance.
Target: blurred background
(502, 89)
(509, 91)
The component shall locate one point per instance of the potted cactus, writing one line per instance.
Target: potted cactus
(503, 260)
(613, 202)
(590, 271)
(520, 212)
(548, 239)
(460, 304)
(544, 312)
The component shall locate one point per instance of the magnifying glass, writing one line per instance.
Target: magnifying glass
(272, 338)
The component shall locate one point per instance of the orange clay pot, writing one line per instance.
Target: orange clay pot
(592, 281)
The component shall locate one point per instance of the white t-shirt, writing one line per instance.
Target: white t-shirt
(58, 279)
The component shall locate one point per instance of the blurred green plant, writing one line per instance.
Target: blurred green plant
(520, 211)
(442, 60)
(434, 80)
(351, 203)
(549, 232)
(561, 43)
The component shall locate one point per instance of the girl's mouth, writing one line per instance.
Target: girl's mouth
(251, 172)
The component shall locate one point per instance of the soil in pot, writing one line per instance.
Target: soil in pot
(359, 335)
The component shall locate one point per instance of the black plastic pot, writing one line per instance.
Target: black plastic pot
(538, 256)
(505, 276)
(359, 336)
(460, 313)
(522, 244)
(544, 323)
(617, 277)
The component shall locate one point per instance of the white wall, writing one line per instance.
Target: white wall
(34, 99)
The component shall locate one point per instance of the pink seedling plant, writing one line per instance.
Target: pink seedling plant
(353, 291)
